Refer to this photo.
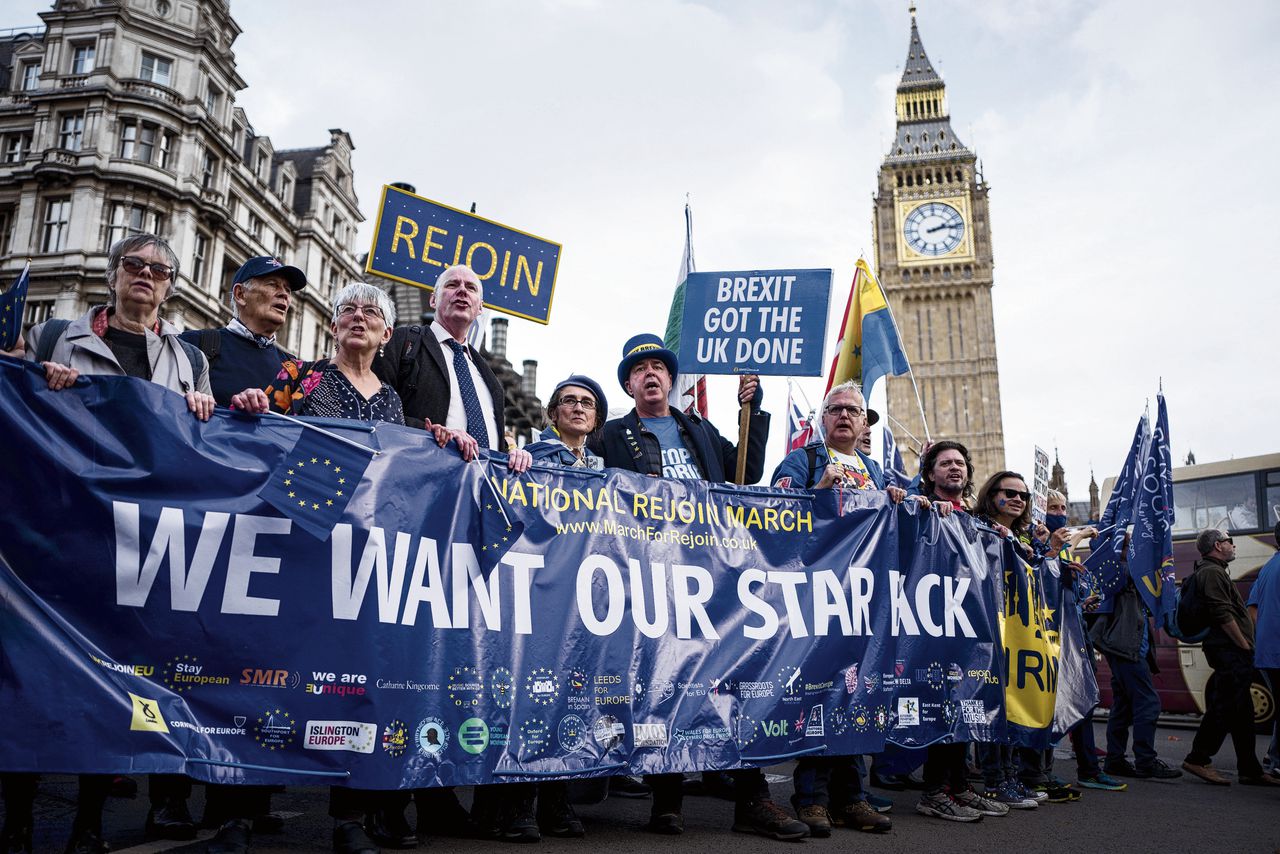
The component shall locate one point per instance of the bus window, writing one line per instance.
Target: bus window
(1228, 503)
(1272, 507)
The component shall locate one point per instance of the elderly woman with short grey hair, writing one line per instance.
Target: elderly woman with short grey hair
(344, 386)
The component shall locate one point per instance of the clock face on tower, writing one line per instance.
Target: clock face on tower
(934, 228)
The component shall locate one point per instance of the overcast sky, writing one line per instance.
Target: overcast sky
(1127, 145)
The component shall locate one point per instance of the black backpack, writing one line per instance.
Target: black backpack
(1192, 615)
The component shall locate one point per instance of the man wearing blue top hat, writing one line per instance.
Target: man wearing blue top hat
(244, 353)
(656, 440)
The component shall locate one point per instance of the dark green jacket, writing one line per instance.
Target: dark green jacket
(1222, 602)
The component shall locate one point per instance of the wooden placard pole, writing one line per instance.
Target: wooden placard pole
(744, 429)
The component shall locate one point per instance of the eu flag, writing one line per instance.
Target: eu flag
(1151, 547)
(489, 529)
(315, 481)
(1104, 569)
(1119, 509)
(12, 304)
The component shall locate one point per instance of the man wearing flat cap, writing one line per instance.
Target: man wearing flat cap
(656, 440)
(244, 353)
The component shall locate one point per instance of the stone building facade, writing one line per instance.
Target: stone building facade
(119, 117)
(933, 252)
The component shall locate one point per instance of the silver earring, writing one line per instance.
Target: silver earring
(382, 350)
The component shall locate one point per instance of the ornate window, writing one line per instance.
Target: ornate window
(156, 69)
(57, 222)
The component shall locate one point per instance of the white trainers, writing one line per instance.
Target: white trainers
(940, 804)
(971, 799)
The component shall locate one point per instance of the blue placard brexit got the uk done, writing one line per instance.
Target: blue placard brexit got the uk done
(416, 239)
(755, 322)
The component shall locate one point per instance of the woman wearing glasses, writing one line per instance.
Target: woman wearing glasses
(127, 336)
(1019, 777)
(344, 386)
(576, 410)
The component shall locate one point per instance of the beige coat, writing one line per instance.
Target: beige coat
(80, 349)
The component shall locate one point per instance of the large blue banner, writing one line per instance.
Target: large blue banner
(457, 624)
(416, 239)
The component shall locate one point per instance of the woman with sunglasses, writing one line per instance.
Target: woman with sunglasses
(1020, 778)
(127, 336)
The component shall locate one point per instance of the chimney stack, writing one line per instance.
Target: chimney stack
(529, 381)
(498, 338)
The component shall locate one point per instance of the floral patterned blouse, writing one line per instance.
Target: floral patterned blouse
(320, 389)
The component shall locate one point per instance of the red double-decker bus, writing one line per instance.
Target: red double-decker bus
(1241, 497)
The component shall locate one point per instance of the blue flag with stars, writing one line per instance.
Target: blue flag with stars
(1151, 547)
(1119, 509)
(12, 304)
(492, 529)
(315, 481)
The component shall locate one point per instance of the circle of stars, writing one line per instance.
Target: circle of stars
(464, 696)
(277, 738)
(170, 671)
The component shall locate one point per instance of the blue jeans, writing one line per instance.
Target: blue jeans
(996, 762)
(1134, 703)
(827, 781)
(1083, 744)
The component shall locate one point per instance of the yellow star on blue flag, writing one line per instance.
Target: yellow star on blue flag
(13, 303)
(315, 495)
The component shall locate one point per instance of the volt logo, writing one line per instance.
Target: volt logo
(775, 729)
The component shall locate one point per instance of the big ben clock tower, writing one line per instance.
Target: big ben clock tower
(933, 254)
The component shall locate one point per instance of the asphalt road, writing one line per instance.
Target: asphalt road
(1180, 815)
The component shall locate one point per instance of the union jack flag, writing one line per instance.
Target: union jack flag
(799, 426)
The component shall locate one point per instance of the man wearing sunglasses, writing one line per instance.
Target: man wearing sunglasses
(244, 353)
(1228, 706)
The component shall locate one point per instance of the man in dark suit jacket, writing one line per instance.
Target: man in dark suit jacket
(656, 440)
(422, 365)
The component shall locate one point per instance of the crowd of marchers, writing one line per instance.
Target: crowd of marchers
(430, 377)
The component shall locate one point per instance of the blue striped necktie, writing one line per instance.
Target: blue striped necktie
(470, 400)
